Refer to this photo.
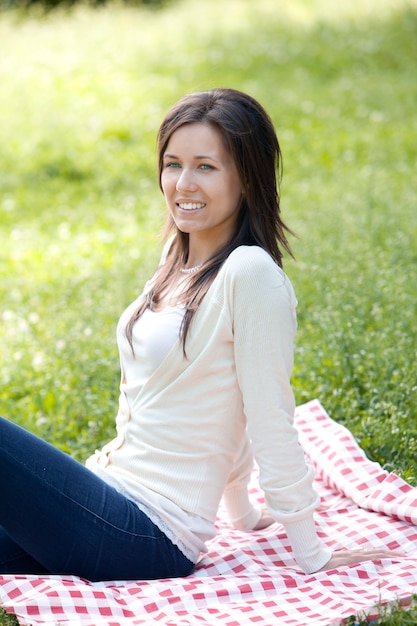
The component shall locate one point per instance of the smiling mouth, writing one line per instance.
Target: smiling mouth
(191, 206)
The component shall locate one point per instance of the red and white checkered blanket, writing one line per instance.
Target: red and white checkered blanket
(251, 579)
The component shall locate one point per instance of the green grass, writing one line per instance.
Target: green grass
(8, 619)
(394, 615)
(82, 94)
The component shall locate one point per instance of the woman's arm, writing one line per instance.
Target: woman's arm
(242, 513)
(265, 325)
(264, 329)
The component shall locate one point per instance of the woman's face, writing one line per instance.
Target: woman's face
(200, 182)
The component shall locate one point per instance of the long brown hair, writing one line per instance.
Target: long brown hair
(250, 139)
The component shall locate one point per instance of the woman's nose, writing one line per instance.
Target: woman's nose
(186, 181)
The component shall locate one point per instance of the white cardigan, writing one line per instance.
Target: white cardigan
(191, 431)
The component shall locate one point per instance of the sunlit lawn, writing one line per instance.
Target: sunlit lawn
(82, 96)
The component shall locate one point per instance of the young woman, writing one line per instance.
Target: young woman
(206, 354)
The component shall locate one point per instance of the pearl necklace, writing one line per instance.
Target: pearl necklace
(190, 270)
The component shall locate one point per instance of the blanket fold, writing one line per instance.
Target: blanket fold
(341, 464)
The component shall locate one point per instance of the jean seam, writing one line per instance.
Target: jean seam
(109, 524)
(89, 511)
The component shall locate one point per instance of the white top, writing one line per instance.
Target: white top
(188, 435)
(154, 335)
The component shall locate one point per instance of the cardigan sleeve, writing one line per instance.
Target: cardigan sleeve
(242, 513)
(263, 303)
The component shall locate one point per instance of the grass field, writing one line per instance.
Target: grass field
(83, 93)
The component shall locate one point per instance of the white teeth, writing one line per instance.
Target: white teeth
(191, 206)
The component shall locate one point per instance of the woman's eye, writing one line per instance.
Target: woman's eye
(172, 165)
(206, 166)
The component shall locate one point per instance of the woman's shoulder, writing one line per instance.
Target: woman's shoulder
(252, 270)
(252, 261)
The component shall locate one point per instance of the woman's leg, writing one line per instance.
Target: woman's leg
(58, 514)
(17, 560)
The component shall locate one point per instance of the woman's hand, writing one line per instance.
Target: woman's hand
(341, 558)
(265, 520)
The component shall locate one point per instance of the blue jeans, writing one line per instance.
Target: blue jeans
(57, 517)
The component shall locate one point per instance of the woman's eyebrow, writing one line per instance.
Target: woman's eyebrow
(199, 157)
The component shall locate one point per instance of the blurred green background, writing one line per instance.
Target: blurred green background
(82, 93)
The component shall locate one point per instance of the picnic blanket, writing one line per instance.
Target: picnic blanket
(251, 579)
